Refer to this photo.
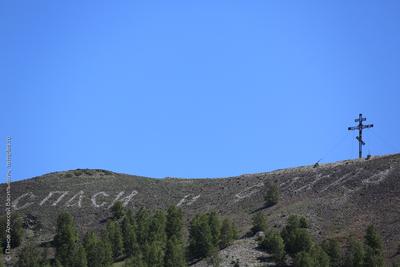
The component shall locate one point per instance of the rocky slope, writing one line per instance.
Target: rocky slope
(338, 198)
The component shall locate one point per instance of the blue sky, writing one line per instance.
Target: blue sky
(195, 88)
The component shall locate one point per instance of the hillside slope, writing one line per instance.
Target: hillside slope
(338, 198)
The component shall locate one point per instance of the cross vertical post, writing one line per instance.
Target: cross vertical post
(360, 128)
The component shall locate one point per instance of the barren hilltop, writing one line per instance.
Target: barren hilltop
(338, 198)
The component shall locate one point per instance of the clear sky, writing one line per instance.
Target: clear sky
(195, 88)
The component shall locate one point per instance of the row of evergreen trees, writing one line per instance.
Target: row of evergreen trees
(296, 241)
(144, 239)
(158, 239)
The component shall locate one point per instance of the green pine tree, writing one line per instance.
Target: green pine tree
(154, 254)
(129, 236)
(117, 210)
(373, 258)
(373, 248)
(200, 237)
(259, 223)
(354, 256)
(296, 236)
(66, 239)
(320, 257)
(174, 224)
(114, 235)
(274, 244)
(228, 233)
(130, 217)
(79, 257)
(98, 253)
(372, 238)
(157, 228)
(331, 247)
(304, 259)
(136, 261)
(174, 253)
(298, 240)
(271, 195)
(142, 226)
(215, 228)
(213, 258)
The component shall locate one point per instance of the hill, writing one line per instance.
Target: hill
(337, 198)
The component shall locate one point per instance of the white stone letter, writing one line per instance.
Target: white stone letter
(188, 203)
(16, 201)
(94, 202)
(79, 195)
(63, 194)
